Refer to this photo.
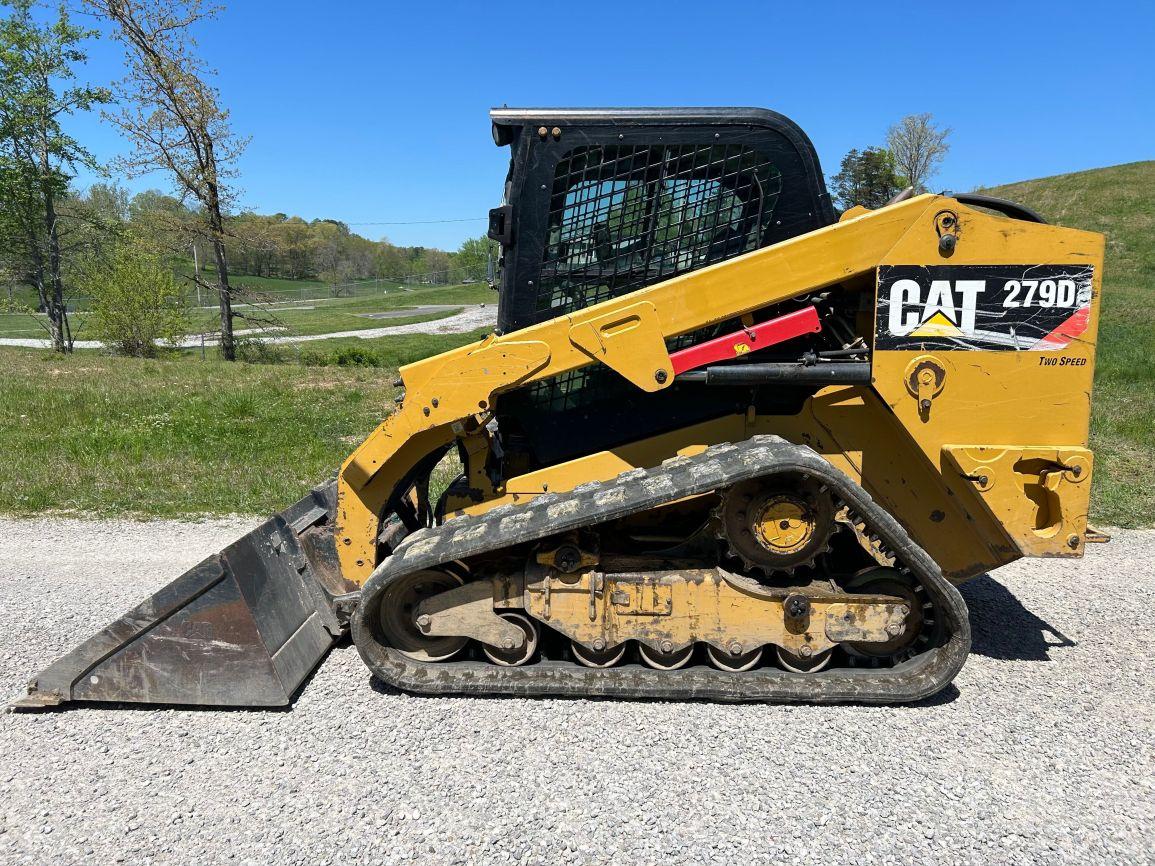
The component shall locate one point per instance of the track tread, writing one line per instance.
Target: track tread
(631, 492)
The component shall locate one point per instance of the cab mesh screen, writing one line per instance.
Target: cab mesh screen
(624, 217)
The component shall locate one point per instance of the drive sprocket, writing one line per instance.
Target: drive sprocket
(776, 525)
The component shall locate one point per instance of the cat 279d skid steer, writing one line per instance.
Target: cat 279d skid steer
(724, 444)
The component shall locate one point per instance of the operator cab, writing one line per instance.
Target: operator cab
(602, 202)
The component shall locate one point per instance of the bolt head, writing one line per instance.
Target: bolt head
(894, 630)
(797, 606)
(667, 646)
(507, 643)
(599, 644)
(735, 649)
(805, 651)
(424, 620)
(1072, 541)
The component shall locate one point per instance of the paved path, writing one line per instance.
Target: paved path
(407, 312)
(187, 343)
(469, 319)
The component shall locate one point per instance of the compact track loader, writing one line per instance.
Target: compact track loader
(723, 444)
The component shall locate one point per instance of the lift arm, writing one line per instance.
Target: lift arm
(449, 392)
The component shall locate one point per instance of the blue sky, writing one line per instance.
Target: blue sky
(376, 111)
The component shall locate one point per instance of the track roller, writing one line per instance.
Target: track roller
(592, 658)
(511, 657)
(665, 661)
(726, 661)
(802, 665)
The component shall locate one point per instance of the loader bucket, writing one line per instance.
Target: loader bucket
(244, 628)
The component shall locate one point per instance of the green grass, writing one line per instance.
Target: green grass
(268, 285)
(396, 351)
(1120, 202)
(116, 436)
(102, 436)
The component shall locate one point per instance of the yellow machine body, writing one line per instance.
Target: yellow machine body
(894, 402)
(981, 455)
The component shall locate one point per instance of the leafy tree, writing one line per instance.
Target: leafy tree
(138, 304)
(866, 178)
(21, 222)
(175, 121)
(109, 202)
(37, 158)
(918, 147)
(473, 256)
(92, 224)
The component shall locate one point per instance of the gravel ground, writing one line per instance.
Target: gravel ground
(1042, 754)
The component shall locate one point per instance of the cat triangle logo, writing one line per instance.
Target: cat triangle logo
(937, 325)
(945, 309)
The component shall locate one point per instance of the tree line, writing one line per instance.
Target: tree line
(914, 151)
(276, 245)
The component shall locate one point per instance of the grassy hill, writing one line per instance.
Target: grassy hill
(1118, 201)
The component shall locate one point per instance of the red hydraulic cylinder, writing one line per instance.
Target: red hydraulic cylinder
(739, 343)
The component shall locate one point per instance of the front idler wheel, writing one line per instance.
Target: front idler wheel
(398, 616)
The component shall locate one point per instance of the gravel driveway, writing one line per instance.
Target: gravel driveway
(1042, 754)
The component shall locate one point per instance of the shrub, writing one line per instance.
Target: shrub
(138, 307)
(260, 352)
(356, 356)
(313, 358)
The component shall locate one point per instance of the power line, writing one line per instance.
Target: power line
(417, 222)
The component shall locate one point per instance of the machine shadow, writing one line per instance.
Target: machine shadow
(1002, 628)
(947, 696)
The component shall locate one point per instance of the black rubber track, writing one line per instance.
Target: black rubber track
(637, 490)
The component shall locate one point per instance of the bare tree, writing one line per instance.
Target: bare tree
(175, 121)
(918, 147)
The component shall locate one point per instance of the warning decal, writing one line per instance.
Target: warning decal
(984, 307)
